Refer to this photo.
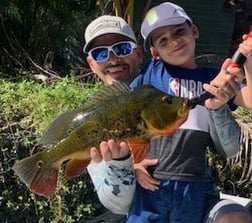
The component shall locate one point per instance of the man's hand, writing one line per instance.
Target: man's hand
(142, 175)
(109, 150)
(224, 86)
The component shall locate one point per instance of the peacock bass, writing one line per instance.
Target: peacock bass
(114, 112)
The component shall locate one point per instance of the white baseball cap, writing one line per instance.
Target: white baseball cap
(161, 15)
(107, 24)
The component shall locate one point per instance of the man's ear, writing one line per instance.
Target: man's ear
(140, 52)
(154, 53)
(90, 62)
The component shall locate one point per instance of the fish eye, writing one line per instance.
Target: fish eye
(167, 99)
(40, 164)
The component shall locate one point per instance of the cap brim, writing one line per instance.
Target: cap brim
(86, 47)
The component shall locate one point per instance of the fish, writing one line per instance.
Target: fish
(118, 112)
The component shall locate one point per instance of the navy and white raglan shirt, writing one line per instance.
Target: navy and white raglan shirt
(182, 155)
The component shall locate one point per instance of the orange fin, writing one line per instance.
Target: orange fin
(139, 149)
(75, 168)
(45, 186)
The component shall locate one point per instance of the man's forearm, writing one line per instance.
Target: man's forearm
(115, 184)
(225, 131)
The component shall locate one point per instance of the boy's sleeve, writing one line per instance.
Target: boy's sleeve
(225, 132)
(115, 184)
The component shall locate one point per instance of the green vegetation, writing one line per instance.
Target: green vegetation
(234, 175)
(27, 108)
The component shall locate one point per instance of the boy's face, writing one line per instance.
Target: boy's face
(115, 68)
(175, 44)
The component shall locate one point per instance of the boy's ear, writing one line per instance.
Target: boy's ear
(154, 53)
(195, 31)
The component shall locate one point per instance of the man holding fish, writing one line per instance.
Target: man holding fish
(115, 189)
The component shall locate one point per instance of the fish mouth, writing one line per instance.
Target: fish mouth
(186, 106)
(191, 103)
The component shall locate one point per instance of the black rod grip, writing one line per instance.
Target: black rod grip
(238, 59)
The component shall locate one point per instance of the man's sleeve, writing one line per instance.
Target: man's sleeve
(115, 184)
(225, 132)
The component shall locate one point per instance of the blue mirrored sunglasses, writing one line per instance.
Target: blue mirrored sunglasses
(120, 49)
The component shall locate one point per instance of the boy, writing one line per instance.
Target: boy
(182, 173)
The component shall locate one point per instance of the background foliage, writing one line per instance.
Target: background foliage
(48, 33)
(27, 108)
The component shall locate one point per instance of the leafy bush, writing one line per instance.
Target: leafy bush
(26, 109)
(234, 175)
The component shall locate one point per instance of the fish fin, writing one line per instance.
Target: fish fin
(45, 185)
(139, 149)
(75, 168)
(70, 120)
(38, 177)
(59, 128)
(106, 93)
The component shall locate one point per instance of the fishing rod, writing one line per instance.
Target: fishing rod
(238, 59)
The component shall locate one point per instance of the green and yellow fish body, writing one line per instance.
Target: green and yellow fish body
(115, 112)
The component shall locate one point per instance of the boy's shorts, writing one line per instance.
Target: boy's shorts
(180, 202)
(174, 202)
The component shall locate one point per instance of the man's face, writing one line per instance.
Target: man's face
(115, 68)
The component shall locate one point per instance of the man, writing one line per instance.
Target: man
(102, 38)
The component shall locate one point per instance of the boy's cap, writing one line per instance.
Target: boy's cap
(162, 15)
(107, 24)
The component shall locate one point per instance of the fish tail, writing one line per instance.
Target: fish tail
(38, 177)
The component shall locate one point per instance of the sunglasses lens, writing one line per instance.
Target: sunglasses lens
(122, 49)
(100, 54)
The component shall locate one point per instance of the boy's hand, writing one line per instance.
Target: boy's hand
(143, 177)
(109, 150)
(224, 86)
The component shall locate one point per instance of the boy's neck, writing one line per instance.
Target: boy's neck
(191, 65)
